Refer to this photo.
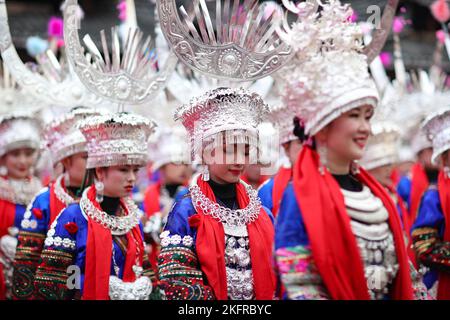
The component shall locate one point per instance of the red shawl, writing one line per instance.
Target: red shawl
(7, 216)
(419, 184)
(151, 199)
(56, 205)
(280, 181)
(444, 196)
(210, 246)
(99, 253)
(406, 226)
(333, 243)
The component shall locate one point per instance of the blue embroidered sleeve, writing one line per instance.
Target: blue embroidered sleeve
(427, 233)
(32, 232)
(265, 193)
(294, 263)
(179, 271)
(404, 189)
(60, 252)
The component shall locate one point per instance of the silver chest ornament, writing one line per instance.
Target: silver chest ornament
(369, 223)
(237, 245)
(140, 289)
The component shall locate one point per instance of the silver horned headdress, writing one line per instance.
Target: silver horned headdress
(56, 85)
(116, 139)
(329, 73)
(239, 44)
(127, 75)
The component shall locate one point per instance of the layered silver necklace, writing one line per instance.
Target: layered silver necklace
(61, 194)
(19, 191)
(117, 225)
(240, 284)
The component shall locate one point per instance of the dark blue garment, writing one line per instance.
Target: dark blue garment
(265, 193)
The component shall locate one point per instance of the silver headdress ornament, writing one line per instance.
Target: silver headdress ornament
(282, 119)
(126, 76)
(19, 129)
(223, 113)
(329, 74)
(437, 128)
(383, 145)
(116, 139)
(240, 45)
(169, 145)
(62, 136)
(58, 86)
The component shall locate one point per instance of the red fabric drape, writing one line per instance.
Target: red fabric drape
(333, 243)
(56, 205)
(444, 196)
(99, 253)
(151, 199)
(210, 246)
(280, 181)
(7, 216)
(419, 184)
(406, 226)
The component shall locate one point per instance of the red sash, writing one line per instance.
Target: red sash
(419, 184)
(333, 243)
(56, 205)
(280, 182)
(99, 253)
(210, 246)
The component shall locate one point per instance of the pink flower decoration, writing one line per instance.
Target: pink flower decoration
(301, 266)
(386, 59)
(55, 27)
(354, 17)
(60, 43)
(440, 36)
(440, 10)
(398, 24)
(122, 7)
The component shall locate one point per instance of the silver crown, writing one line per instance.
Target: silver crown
(116, 139)
(283, 120)
(19, 129)
(169, 145)
(437, 128)
(127, 76)
(241, 44)
(383, 145)
(329, 74)
(57, 85)
(223, 113)
(62, 136)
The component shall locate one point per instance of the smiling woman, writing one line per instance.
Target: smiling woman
(338, 234)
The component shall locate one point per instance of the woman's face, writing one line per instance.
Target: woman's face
(118, 181)
(76, 168)
(446, 158)
(19, 162)
(292, 149)
(226, 164)
(175, 173)
(383, 174)
(346, 137)
(424, 157)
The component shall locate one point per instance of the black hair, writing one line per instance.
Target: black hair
(299, 129)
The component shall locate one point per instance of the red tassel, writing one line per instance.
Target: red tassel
(440, 10)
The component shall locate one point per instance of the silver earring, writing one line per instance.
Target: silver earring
(447, 172)
(322, 151)
(99, 187)
(66, 180)
(205, 173)
(354, 168)
(3, 171)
